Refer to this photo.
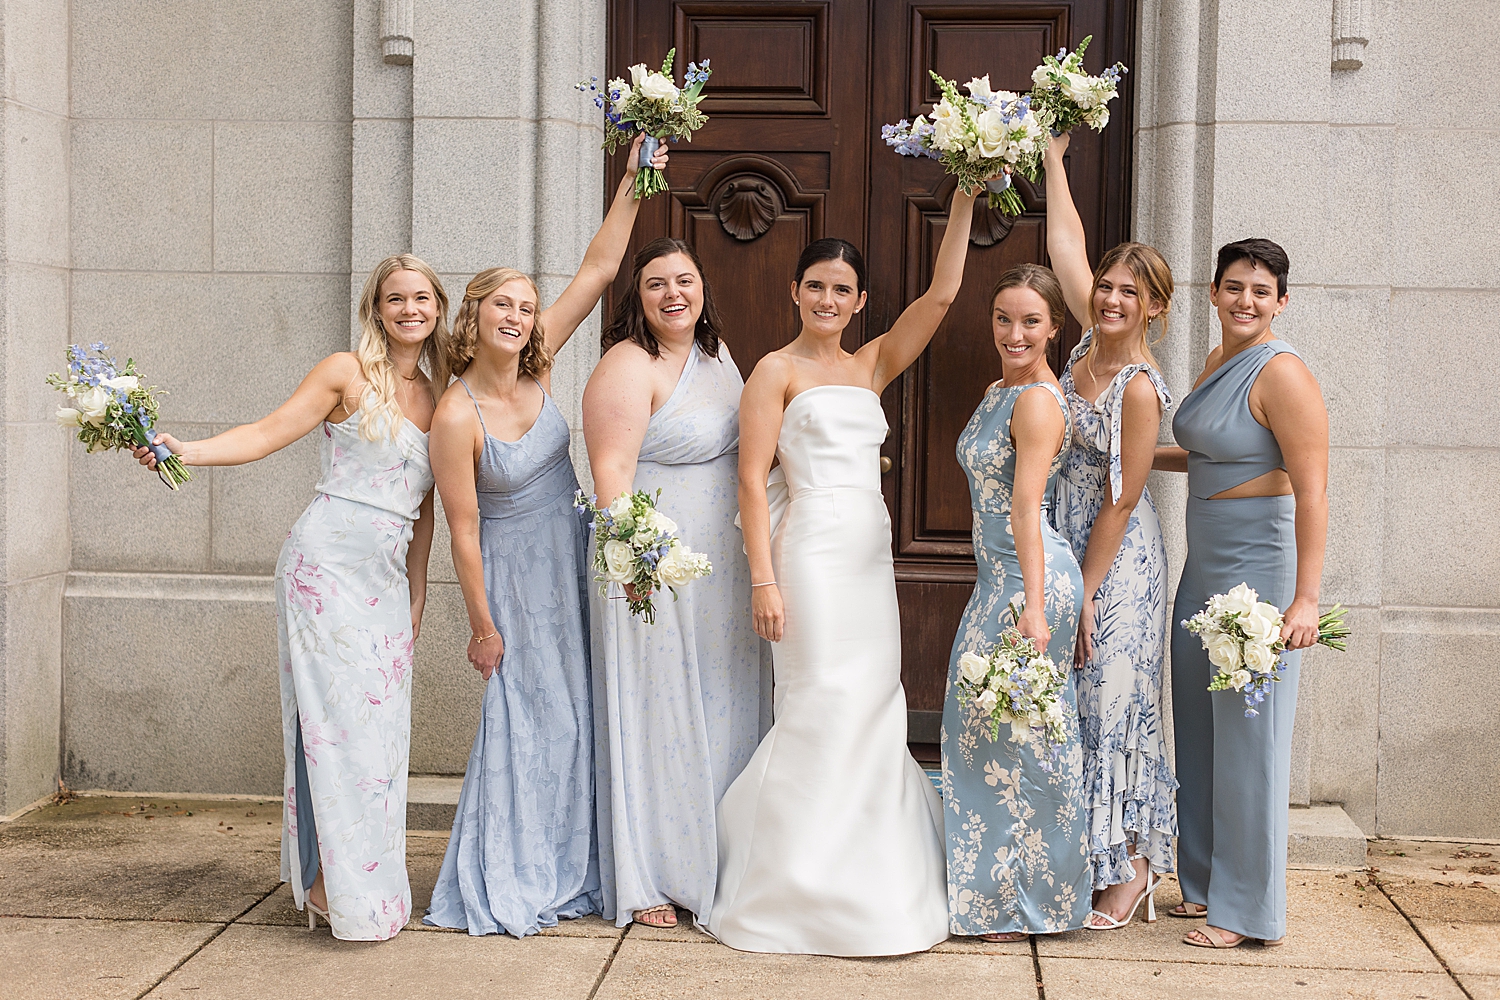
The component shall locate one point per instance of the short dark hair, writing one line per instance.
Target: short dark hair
(831, 248)
(629, 319)
(1257, 251)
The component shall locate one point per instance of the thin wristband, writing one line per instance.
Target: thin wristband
(768, 583)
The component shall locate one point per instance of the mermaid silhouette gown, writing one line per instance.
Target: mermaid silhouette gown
(830, 842)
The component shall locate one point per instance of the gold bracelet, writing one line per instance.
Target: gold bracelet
(481, 638)
(768, 583)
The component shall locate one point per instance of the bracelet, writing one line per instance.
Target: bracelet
(768, 583)
(481, 638)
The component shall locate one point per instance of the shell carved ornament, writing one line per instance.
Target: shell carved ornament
(749, 206)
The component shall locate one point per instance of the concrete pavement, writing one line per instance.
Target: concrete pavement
(112, 897)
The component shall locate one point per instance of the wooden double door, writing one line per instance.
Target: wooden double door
(792, 152)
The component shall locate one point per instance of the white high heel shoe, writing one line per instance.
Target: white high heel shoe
(1149, 896)
(313, 913)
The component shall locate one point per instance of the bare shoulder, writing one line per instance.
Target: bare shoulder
(774, 367)
(1140, 392)
(1036, 403)
(455, 410)
(1289, 371)
(340, 370)
(625, 358)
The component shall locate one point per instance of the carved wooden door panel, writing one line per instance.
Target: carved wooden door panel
(793, 153)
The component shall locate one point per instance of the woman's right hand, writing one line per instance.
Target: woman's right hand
(145, 456)
(1084, 649)
(1057, 145)
(1033, 625)
(485, 656)
(768, 612)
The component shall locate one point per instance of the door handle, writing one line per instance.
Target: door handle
(885, 464)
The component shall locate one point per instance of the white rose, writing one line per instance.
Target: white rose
(676, 569)
(618, 561)
(1223, 650)
(986, 701)
(1263, 623)
(69, 417)
(657, 88)
(660, 523)
(1259, 657)
(93, 403)
(1239, 679)
(1041, 80)
(993, 133)
(125, 383)
(947, 127)
(1240, 600)
(979, 89)
(620, 507)
(1079, 88)
(972, 667)
(638, 74)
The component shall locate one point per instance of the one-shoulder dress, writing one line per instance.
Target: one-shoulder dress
(523, 851)
(677, 703)
(343, 616)
(1016, 824)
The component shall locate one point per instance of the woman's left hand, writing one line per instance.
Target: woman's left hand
(418, 605)
(658, 162)
(1033, 625)
(1084, 648)
(1299, 625)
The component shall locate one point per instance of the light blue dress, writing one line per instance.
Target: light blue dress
(1129, 790)
(1017, 856)
(1235, 772)
(677, 703)
(523, 851)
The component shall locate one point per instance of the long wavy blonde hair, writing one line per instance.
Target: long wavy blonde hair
(1152, 277)
(535, 358)
(381, 414)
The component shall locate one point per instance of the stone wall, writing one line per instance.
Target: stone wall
(1383, 184)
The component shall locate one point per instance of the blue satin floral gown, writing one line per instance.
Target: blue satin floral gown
(1015, 830)
(523, 852)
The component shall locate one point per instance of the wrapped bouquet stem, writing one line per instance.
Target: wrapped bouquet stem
(636, 545)
(651, 103)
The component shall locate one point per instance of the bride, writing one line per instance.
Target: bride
(831, 839)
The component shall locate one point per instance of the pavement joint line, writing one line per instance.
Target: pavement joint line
(1235, 965)
(1036, 968)
(610, 961)
(119, 920)
(1380, 884)
(206, 942)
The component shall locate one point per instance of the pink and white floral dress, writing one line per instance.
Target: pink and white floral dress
(343, 615)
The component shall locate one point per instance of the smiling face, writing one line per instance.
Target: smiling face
(1121, 307)
(827, 297)
(672, 296)
(408, 307)
(1246, 300)
(507, 316)
(1023, 325)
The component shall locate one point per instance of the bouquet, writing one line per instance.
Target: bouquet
(975, 138)
(1019, 685)
(1063, 96)
(1242, 634)
(637, 544)
(653, 104)
(112, 409)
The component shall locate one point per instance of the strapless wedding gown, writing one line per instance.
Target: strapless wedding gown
(831, 840)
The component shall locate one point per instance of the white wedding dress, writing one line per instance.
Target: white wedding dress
(831, 839)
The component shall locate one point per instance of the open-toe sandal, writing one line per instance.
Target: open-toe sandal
(664, 915)
(1183, 910)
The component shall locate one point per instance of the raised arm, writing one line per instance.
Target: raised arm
(909, 336)
(601, 262)
(1036, 428)
(454, 446)
(1065, 242)
(762, 406)
(1293, 405)
(616, 410)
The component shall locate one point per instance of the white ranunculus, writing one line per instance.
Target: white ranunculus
(1239, 679)
(658, 522)
(947, 127)
(638, 74)
(973, 667)
(675, 569)
(986, 701)
(993, 133)
(657, 88)
(1223, 650)
(1041, 80)
(618, 561)
(1240, 600)
(979, 89)
(69, 417)
(93, 403)
(1263, 623)
(1259, 657)
(125, 383)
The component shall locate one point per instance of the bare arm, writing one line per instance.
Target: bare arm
(1036, 428)
(1170, 458)
(1140, 420)
(616, 410)
(908, 337)
(1293, 405)
(455, 446)
(601, 262)
(762, 406)
(417, 555)
(1066, 247)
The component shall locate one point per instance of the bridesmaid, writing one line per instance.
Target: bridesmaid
(351, 584)
(678, 702)
(1017, 862)
(1117, 398)
(1254, 432)
(523, 850)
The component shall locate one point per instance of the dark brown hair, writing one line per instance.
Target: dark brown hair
(1257, 251)
(629, 319)
(1040, 280)
(831, 248)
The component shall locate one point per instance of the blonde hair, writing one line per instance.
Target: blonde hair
(535, 358)
(1040, 280)
(382, 416)
(1152, 276)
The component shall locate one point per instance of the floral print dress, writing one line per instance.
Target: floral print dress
(1014, 819)
(1129, 789)
(344, 633)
